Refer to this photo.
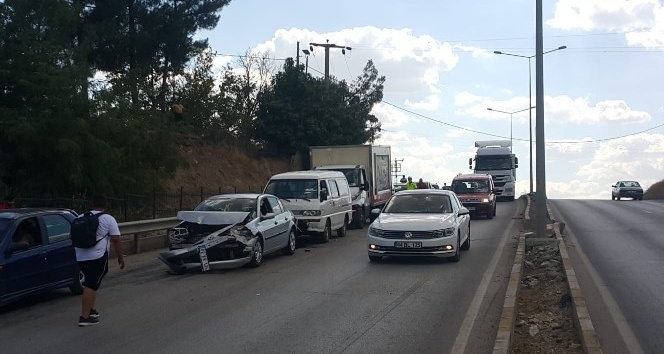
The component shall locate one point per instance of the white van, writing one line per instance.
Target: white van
(320, 200)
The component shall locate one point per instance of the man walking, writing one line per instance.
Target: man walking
(93, 261)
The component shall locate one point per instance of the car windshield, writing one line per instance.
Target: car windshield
(419, 203)
(487, 163)
(293, 188)
(470, 187)
(352, 176)
(227, 204)
(629, 184)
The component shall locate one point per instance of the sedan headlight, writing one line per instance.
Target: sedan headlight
(375, 232)
(310, 212)
(485, 200)
(448, 232)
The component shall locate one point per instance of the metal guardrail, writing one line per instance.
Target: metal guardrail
(135, 228)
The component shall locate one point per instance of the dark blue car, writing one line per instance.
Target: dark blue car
(36, 253)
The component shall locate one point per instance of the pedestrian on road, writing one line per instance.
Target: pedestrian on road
(422, 185)
(93, 261)
(410, 185)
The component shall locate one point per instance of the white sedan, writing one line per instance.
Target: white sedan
(420, 222)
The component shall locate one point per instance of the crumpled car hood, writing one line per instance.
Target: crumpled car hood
(213, 217)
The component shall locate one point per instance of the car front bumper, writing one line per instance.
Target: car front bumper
(438, 247)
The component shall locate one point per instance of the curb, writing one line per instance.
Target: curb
(582, 321)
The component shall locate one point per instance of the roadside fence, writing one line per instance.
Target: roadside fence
(132, 207)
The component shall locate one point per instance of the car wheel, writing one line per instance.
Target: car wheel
(618, 197)
(494, 209)
(466, 244)
(359, 222)
(324, 237)
(341, 232)
(375, 259)
(76, 286)
(257, 258)
(290, 247)
(457, 255)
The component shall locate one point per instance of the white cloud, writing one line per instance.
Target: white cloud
(407, 60)
(390, 116)
(475, 51)
(643, 20)
(429, 103)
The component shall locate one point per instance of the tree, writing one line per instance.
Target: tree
(299, 110)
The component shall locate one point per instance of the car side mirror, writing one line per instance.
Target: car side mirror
(373, 215)
(613, 185)
(463, 211)
(267, 216)
(366, 185)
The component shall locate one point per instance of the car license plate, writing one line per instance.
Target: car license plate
(202, 254)
(470, 208)
(407, 244)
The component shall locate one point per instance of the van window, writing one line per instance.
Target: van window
(334, 190)
(343, 188)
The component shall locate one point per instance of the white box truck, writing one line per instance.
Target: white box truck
(367, 169)
(495, 157)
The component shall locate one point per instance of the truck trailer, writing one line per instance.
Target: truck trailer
(495, 157)
(367, 169)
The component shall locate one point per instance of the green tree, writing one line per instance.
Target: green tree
(299, 110)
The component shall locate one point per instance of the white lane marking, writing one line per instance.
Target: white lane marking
(626, 332)
(473, 310)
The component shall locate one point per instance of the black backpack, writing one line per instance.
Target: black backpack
(84, 230)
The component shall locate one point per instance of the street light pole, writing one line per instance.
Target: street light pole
(530, 100)
(511, 113)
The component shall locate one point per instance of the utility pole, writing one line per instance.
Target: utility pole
(327, 47)
(396, 168)
(540, 195)
(297, 55)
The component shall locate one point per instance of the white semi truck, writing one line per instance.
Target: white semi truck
(367, 168)
(495, 157)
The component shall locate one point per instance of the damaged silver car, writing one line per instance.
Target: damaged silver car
(229, 231)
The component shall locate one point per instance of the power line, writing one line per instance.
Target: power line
(525, 140)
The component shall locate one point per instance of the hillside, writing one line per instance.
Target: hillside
(214, 166)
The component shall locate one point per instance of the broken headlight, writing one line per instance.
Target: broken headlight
(177, 235)
(241, 231)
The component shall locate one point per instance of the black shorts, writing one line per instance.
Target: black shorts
(94, 271)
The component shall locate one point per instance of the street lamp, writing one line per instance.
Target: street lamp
(510, 113)
(306, 54)
(530, 98)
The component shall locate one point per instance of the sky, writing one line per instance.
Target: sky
(603, 94)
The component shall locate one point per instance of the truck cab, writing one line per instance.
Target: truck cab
(495, 158)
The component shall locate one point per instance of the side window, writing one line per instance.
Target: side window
(334, 190)
(265, 207)
(276, 206)
(455, 203)
(343, 188)
(57, 228)
(28, 233)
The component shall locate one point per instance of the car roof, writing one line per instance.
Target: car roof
(310, 174)
(237, 196)
(424, 191)
(18, 212)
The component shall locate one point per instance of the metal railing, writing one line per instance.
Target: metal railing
(141, 231)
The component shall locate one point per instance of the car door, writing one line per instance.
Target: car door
(337, 215)
(267, 224)
(282, 222)
(462, 220)
(60, 255)
(24, 270)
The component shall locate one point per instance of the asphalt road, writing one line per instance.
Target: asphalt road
(616, 249)
(327, 298)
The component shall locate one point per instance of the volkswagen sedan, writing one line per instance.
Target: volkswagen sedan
(230, 230)
(420, 222)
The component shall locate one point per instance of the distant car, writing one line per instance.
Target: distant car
(36, 254)
(627, 189)
(477, 193)
(419, 222)
(228, 231)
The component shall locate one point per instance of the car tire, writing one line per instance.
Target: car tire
(613, 197)
(375, 259)
(494, 208)
(341, 232)
(457, 255)
(466, 244)
(257, 258)
(359, 222)
(324, 237)
(76, 286)
(618, 198)
(289, 250)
